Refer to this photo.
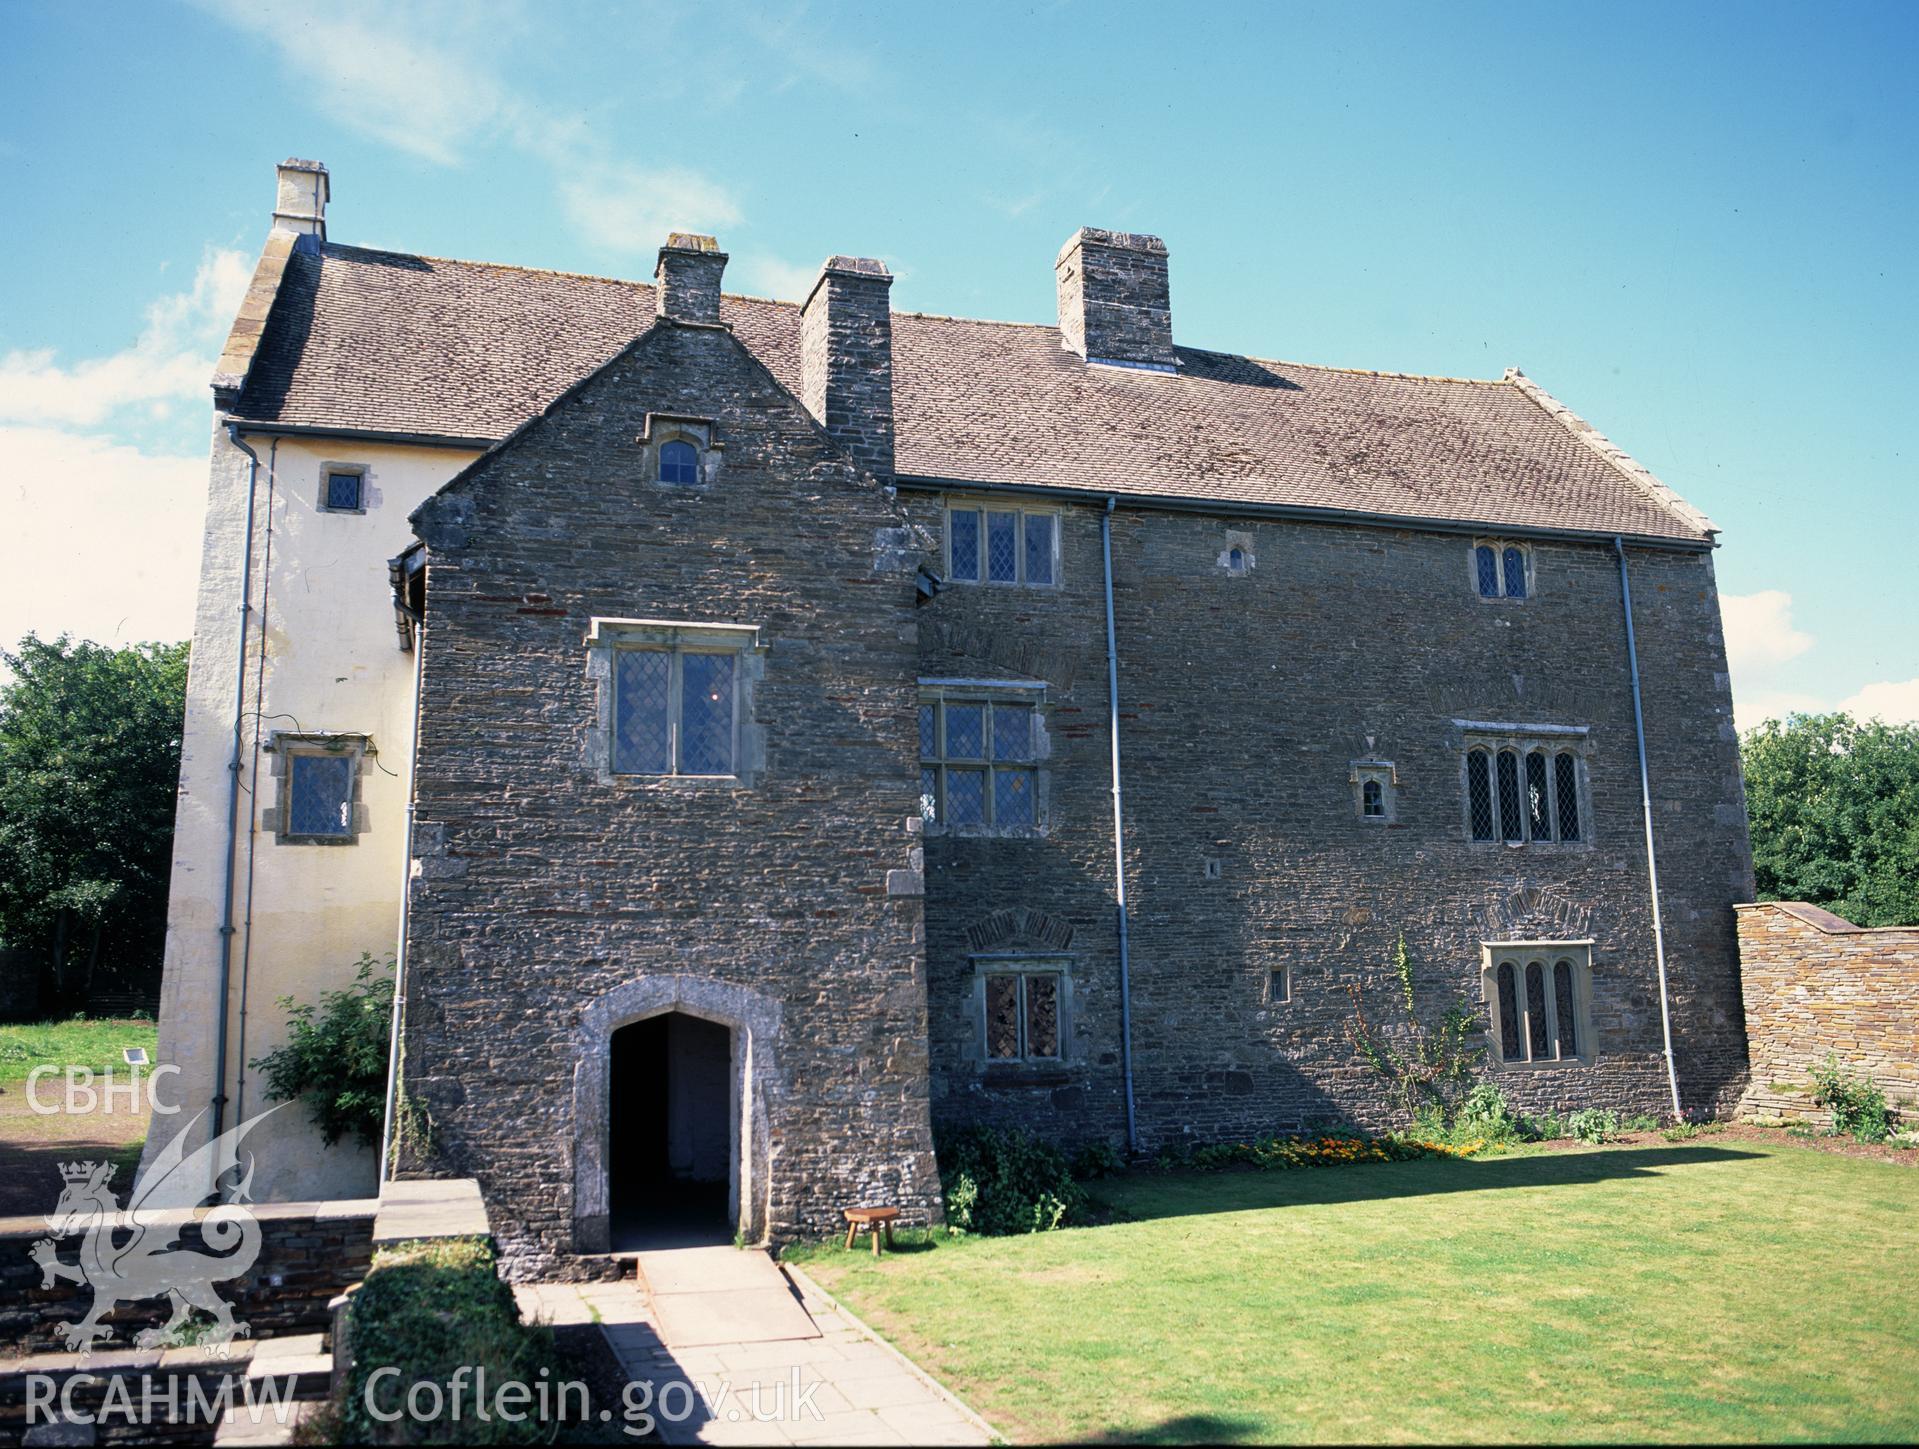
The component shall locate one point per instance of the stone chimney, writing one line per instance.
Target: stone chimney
(299, 205)
(1114, 302)
(846, 359)
(688, 278)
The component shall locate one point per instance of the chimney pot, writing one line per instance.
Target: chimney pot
(299, 204)
(846, 359)
(1115, 302)
(688, 278)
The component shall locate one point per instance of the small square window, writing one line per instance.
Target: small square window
(1375, 785)
(979, 762)
(345, 491)
(318, 779)
(674, 711)
(1022, 1015)
(1279, 984)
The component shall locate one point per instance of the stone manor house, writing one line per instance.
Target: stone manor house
(769, 732)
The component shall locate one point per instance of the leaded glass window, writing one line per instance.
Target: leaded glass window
(1486, 562)
(320, 795)
(1372, 798)
(1500, 570)
(978, 762)
(675, 711)
(1528, 792)
(679, 463)
(1566, 783)
(1509, 816)
(345, 491)
(1022, 1015)
(1479, 793)
(1536, 1000)
(1515, 562)
(1002, 546)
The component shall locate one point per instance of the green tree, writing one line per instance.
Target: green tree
(1835, 815)
(89, 767)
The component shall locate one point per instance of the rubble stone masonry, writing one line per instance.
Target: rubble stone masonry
(1816, 984)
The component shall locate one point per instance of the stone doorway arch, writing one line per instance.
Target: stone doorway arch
(753, 1020)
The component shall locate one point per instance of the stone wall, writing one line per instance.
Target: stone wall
(1816, 984)
(1244, 699)
(553, 902)
(308, 1252)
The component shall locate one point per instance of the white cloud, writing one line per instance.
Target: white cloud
(766, 275)
(1894, 701)
(424, 80)
(172, 359)
(1760, 633)
(102, 540)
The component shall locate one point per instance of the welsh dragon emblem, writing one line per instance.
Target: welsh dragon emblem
(131, 1254)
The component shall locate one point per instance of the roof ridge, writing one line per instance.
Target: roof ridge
(981, 321)
(1353, 371)
(533, 271)
(1635, 472)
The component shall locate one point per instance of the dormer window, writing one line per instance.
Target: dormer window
(679, 463)
(1501, 570)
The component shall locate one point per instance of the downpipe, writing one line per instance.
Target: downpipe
(1645, 803)
(219, 1099)
(1119, 833)
(406, 906)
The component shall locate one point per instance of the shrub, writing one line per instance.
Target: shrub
(1681, 1132)
(1001, 1182)
(429, 1308)
(1858, 1107)
(1096, 1159)
(1485, 1114)
(335, 1055)
(1594, 1125)
(1640, 1122)
(1547, 1127)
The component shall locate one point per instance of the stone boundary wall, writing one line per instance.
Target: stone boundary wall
(309, 1251)
(1815, 983)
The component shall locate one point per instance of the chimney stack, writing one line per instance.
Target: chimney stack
(299, 205)
(1115, 304)
(688, 278)
(846, 359)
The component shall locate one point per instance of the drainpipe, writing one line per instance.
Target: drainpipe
(406, 900)
(219, 1100)
(1645, 802)
(1119, 833)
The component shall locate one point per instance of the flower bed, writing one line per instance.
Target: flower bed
(1270, 1153)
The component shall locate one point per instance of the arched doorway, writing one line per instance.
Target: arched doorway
(672, 1132)
(751, 1024)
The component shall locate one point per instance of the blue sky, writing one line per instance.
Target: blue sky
(1694, 224)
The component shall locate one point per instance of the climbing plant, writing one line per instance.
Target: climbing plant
(1424, 1065)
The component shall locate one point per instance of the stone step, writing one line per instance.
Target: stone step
(302, 1357)
(238, 1427)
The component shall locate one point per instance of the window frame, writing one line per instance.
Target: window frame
(981, 509)
(1547, 955)
(1499, 547)
(1385, 775)
(937, 694)
(1023, 966)
(608, 639)
(1521, 742)
(327, 472)
(283, 748)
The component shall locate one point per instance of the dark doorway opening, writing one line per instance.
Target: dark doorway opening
(670, 1146)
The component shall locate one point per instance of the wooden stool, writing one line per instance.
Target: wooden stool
(876, 1221)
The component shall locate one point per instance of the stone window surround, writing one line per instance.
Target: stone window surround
(1547, 953)
(699, 433)
(1387, 776)
(366, 486)
(1238, 541)
(1279, 985)
(1495, 736)
(935, 690)
(1023, 963)
(281, 747)
(1499, 547)
(606, 636)
(962, 503)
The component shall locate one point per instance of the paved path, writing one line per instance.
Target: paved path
(738, 1354)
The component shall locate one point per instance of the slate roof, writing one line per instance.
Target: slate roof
(385, 342)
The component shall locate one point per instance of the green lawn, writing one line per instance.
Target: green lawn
(76, 1042)
(1695, 1291)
